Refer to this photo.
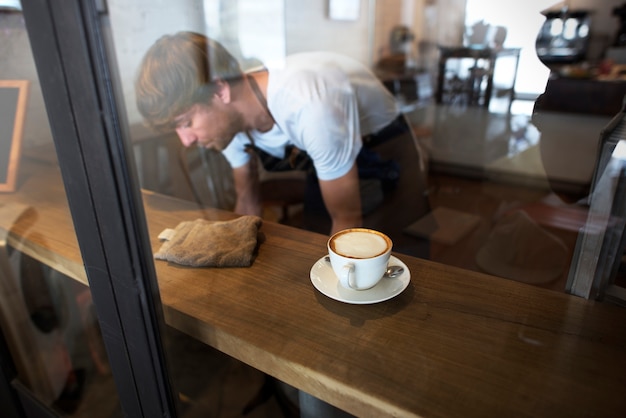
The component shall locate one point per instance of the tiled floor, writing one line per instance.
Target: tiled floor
(517, 147)
(491, 203)
(492, 164)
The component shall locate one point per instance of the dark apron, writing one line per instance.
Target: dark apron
(376, 175)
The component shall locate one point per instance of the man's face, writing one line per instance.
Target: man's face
(210, 126)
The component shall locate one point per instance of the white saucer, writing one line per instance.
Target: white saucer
(324, 279)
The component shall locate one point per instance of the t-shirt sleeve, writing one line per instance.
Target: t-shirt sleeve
(235, 153)
(330, 133)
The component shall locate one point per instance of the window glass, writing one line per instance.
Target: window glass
(493, 175)
(486, 157)
(47, 314)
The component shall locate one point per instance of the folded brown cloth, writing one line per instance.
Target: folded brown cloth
(203, 243)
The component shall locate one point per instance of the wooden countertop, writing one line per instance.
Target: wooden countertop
(454, 343)
(582, 96)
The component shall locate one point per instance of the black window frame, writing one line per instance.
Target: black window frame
(68, 44)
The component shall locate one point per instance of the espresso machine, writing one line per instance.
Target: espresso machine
(564, 37)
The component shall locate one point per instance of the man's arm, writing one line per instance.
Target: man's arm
(247, 187)
(343, 200)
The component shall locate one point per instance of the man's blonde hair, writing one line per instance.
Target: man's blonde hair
(179, 71)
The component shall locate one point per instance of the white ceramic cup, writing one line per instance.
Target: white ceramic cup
(359, 257)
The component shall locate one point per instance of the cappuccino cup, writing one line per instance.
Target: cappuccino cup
(359, 257)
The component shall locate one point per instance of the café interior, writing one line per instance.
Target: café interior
(508, 216)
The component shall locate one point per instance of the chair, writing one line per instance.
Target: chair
(210, 176)
(283, 190)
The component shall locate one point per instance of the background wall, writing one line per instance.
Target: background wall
(307, 28)
(17, 64)
(136, 25)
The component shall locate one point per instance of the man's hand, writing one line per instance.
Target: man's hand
(343, 200)
(248, 190)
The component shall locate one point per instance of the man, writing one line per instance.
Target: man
(317, 108)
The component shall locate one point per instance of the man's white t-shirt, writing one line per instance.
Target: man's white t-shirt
(323, 103)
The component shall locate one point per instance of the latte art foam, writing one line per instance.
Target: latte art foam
(359, 244)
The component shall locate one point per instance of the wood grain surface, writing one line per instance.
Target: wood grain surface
(454, 344)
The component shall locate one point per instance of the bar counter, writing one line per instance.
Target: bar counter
(455, 343)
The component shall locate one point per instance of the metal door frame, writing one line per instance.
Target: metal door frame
(68, 45)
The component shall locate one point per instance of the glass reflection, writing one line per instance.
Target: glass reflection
(46, 311)
(556, 28)
(487, 157)
(498, 169)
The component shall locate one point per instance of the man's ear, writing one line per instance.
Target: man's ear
(223, 91)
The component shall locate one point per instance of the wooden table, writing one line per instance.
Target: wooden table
(583, 96)
(454, 343)
(490, 55)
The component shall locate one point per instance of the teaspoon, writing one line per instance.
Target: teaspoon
(393, 271)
